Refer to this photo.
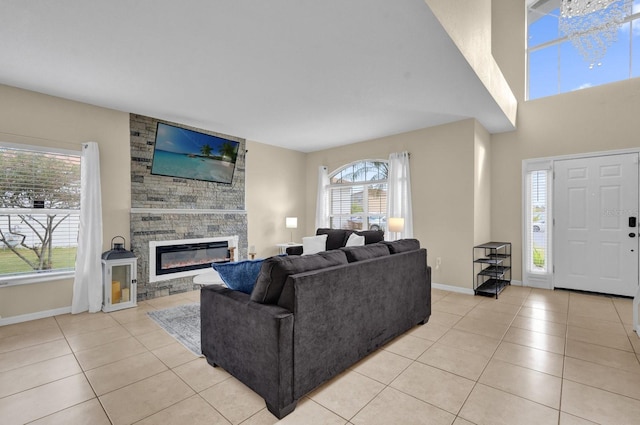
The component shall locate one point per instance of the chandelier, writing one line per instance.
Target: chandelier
(592, 25)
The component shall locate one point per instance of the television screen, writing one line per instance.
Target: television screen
(188, 154)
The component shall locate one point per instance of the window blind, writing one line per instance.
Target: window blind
(537, 224)
(39, 180)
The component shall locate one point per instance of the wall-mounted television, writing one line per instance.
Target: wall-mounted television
(188, 154)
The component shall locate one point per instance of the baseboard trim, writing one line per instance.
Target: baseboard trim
(467, 291)
(64, 310)
(34, 316)
(451, 288)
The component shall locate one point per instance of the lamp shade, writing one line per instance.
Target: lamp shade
(396, 224)
(291, 222)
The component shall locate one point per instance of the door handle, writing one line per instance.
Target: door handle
(632, 235)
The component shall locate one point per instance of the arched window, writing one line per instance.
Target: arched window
(358, 196)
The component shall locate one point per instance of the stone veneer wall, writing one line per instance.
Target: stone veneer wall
(168, 208)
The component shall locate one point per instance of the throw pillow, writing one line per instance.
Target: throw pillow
(371, 236)
(276, 270)
(366, 252)
(402, 245)
(239, 276)
(355, 240)
(314, 244)
(336, 238)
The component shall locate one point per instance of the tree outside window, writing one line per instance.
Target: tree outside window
(39, 210)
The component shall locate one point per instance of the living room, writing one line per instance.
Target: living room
(467, 182)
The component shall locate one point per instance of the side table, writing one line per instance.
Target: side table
(283, 246)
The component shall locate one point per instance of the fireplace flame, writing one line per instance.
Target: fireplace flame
(168, 265)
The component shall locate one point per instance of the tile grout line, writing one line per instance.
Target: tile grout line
(63, 338)
(564, 359)
(413, 361)
(477, 381)
(588, 361)
(84, 373)
(196, 393)
(389, 384)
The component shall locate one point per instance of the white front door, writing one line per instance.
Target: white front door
(595, 238)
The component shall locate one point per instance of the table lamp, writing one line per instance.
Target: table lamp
(291, 223)
(396, 225)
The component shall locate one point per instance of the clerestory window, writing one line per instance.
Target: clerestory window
(358, 196)
(555, 65)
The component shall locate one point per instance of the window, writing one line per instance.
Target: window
(554, 64)
(537, 218)
(537, 221)
(39, 211)
(358, 196)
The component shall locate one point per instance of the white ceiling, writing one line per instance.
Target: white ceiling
(301, 74)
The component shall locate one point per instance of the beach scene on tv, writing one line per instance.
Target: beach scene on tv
(192, 155)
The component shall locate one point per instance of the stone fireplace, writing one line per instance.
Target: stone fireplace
(167, 209)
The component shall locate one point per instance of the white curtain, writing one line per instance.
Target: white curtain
(322, 204)
(399, 194)
(87, 285)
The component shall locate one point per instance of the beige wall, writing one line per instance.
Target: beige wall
(275, 189)
(591, 120)
(442, 177)
(468, 23)
(35, 119)
(507, 41)
(482, 186)
(35, 297)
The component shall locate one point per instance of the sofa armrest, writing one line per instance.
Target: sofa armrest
(252, 341)
(294, 250)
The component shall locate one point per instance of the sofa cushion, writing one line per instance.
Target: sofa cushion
(239, 276)
(371, 236)
(359, 253)
(336, 238)
(355, 240)
(276, 270)
(314, 244)
(402, 245)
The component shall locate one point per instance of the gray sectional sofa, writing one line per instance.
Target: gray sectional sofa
(311, 317)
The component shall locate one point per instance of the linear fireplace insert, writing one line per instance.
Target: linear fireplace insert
(185, 257)
(172, 259)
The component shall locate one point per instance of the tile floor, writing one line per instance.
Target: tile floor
(531, 357)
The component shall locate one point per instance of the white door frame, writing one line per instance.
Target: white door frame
(546, 280)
